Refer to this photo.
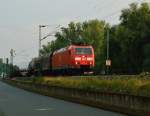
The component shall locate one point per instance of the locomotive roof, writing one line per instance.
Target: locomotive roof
(69, 47)
(60, 50)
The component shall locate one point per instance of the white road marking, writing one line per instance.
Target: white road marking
(44, 109)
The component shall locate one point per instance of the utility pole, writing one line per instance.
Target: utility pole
(107, 44)
(2, 73)
(7, 69)
(12, 52)
(40, 36)
(108, 61)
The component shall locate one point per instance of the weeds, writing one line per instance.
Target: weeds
(133, 86)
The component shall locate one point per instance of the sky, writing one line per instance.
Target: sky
(19, 21)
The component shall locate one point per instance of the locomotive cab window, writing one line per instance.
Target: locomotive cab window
(80, 51)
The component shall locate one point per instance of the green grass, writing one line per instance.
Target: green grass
(134, 85)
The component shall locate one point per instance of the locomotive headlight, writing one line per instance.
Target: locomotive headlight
(89, 58)
(77, 58)
(76, 62)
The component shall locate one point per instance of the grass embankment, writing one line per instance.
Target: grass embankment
(134, 86)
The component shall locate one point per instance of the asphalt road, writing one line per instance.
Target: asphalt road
(17, 102)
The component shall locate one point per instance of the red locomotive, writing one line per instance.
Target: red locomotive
(71, 59)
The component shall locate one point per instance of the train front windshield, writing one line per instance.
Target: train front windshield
(80, 51)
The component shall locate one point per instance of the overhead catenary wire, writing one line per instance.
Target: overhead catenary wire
(105, 5)
(112, 14)
(23, 53)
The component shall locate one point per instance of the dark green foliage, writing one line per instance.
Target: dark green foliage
(1, 60)
(130, 41)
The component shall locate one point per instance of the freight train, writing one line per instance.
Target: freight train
(74, 59)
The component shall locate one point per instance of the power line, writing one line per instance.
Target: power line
(24, 51)
(112, 14)
(105, 5)
(115, 12)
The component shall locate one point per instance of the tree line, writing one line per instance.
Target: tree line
(129, 40)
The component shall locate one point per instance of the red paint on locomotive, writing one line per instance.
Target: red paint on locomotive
(73, 57)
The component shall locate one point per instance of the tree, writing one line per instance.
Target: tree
(93, 34)
(132, 35)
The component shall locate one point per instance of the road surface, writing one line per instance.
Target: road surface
(17, 102)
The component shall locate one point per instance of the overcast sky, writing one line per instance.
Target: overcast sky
(19, 20)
